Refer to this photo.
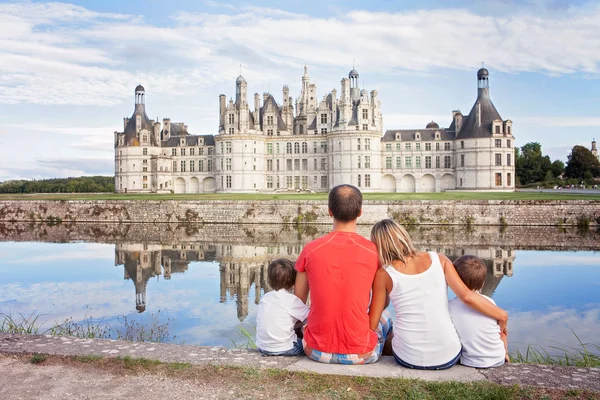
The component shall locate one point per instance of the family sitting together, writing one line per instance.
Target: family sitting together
(351, 281)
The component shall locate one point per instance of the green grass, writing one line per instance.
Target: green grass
(309, 196)
(581, 356)
(131, 363)
(38, 358)
(129, 329)
(277, 383)
(27, 325)
(87, 359)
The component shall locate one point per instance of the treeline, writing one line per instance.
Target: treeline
(84, 184)
(533, 167)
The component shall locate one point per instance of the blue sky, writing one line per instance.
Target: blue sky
(68, 70)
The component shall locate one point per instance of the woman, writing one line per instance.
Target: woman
(417, 284)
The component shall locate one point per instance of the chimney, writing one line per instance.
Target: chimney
(222, 108)
(256, 102)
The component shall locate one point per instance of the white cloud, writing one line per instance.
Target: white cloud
(553, 327)
(415, 121)
(56, 53)
(562, 122)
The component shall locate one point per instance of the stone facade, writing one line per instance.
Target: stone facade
(490, 212)
(323, 143)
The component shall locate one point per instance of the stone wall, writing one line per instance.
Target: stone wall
(491, 212)
(432, 237)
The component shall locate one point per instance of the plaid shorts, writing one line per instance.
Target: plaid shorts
(384, 328)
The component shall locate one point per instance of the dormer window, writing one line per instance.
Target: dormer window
(182, 142)
(398, 136)
(418, 136)
(437, 136)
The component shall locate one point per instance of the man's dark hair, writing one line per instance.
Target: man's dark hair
(472, 271)
(345, 203)
(281, 274)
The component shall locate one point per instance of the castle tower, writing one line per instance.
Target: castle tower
(595, 150)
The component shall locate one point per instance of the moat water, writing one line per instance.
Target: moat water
(203, 283)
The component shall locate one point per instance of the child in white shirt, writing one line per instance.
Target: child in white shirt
(278, 313)
(483, 345)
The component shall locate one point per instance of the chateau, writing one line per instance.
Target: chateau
(315, 144)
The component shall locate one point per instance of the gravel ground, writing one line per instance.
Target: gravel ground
(20, 380)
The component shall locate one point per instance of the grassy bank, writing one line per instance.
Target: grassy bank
(275, 383)
(128, 328)
(308, 196)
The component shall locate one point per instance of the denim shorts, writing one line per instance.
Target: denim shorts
(297, 350)
(384, 329)
(447, 365)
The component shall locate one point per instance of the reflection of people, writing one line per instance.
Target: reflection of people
(338, 269)
(278, 312)
(417, 285)
(483, 344)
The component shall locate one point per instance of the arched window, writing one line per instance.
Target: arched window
(304, 148)
(288, 148)
(296, 148)
(301, 129)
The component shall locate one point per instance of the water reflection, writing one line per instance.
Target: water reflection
(217, 274)
(241, 267)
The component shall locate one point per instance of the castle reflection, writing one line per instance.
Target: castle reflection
(242, 266)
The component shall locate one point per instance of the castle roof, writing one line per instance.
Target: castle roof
(190, 140)
(410, 135)
(470, 128)
(281, 126)
(130, 131)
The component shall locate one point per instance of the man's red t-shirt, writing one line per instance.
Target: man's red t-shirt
(340, 268)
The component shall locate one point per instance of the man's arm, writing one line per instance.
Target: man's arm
(301, 286)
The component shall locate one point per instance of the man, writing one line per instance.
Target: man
(338, 269)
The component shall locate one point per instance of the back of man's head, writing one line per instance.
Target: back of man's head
(345, 203)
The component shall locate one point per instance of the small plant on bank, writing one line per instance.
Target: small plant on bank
(89, 328)
(137, 332)
(86, 329)
(248, 341)
(577, 357)
(24, 325)
(583, 221)
(503, 221)
(38, 358)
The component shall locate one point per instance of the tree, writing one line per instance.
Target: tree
(558, 168)
(66, 185)
(530, 164)
(549, 176)
(581, 160)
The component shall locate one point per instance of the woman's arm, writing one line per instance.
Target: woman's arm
(379, 297)
(471, 298)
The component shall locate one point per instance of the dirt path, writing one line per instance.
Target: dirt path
(22, 380)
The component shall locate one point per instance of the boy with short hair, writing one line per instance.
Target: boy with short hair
(483, 345)
(278, 313)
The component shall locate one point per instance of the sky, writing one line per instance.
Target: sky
(68, 70)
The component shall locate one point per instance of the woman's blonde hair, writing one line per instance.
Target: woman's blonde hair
(392, 241)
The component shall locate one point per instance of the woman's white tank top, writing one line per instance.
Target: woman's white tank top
(423, 331)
